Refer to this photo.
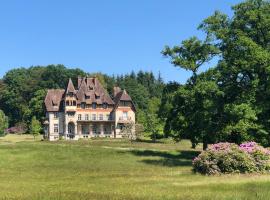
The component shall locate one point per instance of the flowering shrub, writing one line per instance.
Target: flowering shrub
(231, 158)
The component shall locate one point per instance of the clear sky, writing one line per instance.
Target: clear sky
(109, 36)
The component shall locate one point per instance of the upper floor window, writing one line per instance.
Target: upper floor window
(74, 103)
(86, 117)
(79, 117)
(105, 105)
(97, 96)
(124, 103)
(94, 117)
(83, 105)
(125, 115)
(87, 97)
(71, 114)
(55, 128)
(67, 103)
(55, 115)
(100, 116)
(94, 105)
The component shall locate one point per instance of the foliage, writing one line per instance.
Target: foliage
(3, 123)
(230, 101)
(231, 158)
(128, 131)
(35, 127)
(23, 90)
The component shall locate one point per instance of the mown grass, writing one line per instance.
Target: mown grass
(114, 169)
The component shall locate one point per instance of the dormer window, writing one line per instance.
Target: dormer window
(83, 105)
(87, 97)
(70, 94)
(91, 88)
(105, 105)
(97, 97)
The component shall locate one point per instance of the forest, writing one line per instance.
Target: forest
(228, 102)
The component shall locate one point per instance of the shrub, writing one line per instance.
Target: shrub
(230, 158)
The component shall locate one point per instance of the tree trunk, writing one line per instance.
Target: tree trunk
(205, 145)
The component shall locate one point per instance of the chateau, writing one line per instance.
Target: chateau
(87, 111)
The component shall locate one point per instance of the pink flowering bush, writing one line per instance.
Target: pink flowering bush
(225, 158)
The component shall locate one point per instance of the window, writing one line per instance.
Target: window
(97, 97)
(74, 103)
(94, 117)
(55, 115)
(108, 117)
(67, 103)
(94, 129)
(105, 105)
(100, 116)
(87, 97)
(79, 117)
(94, 105)
(71, 114)
(125, 115)
(86, 117)
(83, 105)
(55, 128)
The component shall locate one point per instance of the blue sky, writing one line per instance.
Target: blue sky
(109, 36)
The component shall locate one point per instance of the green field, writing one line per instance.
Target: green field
(113, 169)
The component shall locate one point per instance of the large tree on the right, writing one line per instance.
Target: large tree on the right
(237, 89)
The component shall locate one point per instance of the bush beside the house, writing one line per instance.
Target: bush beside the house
(227, 158)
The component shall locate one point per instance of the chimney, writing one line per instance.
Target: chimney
(116, 90)
(79, 81)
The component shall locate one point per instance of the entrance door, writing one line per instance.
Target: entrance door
(71, 130)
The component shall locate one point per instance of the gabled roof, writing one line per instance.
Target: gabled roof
(53, 100)
(70, 87)
(91, 91)
(123, 96)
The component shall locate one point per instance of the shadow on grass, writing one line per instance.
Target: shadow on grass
(164, 158)
(150, 141)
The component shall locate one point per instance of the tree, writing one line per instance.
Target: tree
(191, 54)
(35, 127)
(3, 123)
(128, 131)
(153, 125)
(238, 99)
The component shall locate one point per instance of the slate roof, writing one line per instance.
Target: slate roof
(70, 87)
(89, 91)
(123, 96)
(53, 99)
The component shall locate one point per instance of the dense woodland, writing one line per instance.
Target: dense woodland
(228, 102)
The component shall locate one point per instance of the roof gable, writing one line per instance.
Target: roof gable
(53, 100)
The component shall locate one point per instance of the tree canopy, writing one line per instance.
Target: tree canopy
(229, 102)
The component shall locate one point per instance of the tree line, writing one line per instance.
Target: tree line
(23, 90)
(228, 102)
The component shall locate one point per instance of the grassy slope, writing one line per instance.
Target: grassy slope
(113, 169)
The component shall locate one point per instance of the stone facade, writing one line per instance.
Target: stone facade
(87, 111)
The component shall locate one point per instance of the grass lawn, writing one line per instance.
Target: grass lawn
(113, 169)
